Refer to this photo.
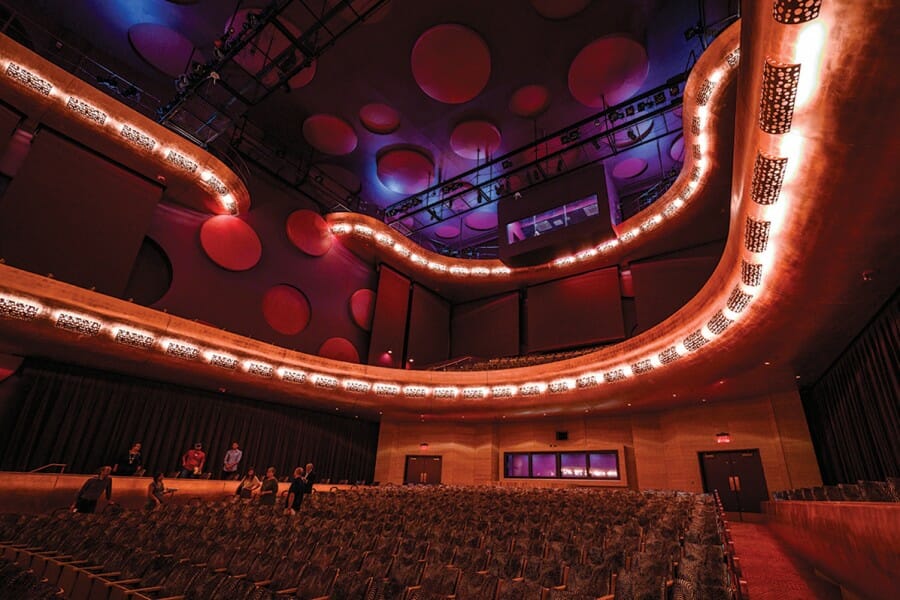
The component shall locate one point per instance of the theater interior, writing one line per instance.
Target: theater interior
(562, 298)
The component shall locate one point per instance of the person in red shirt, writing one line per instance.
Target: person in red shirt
(192, 462)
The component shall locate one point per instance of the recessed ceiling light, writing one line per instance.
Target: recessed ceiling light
(767, 363)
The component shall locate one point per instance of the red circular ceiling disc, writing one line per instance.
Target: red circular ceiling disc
(559, 9)
(163, 48)
(230, 243)
(475, 139)
(404, 170)
(481, 220)
(611, 68)
(529, 101)
(447, 231)
(629, 168)
(362, 308)
(285, 309)
(329, 134)
(451, 63)
(379, 118)
(309, 232)
(338, 348)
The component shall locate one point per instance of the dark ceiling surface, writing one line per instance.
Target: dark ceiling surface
(638, 45)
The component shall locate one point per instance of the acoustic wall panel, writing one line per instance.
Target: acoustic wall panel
(576, 311)
(486, 328)
(75, 214)
(388, 340)
(428, 339)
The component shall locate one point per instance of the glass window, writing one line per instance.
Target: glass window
(552, 220)
(573, 464)
(543, 465)
(604, 465)
(517, 465)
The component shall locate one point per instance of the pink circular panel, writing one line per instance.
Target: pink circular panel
(285, 309)
(230, 243)
(163, 48)
(447, 231)
(275, 44)
(676, 150)
(451, 63)
(362, 308)
(335, 175)
(529, 101)
(481, 220)
(611, 68)
(379, 118)
(309, 232)
(338, 348)
(404, 170)
(475, 139)
(559, 9)
(329, 134)
(630, 167)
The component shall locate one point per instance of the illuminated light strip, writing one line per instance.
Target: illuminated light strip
(341, 228)
(292, 375)
(503, 391)
(457, 270)
(356, 386)
(695, 341)
(642, 366)
(29, 79)
(216, 185)
(326, 382)
(21, 309)
(561, 385)
(480, 271)
(181, 161)
(82, 108)
(614, 375)
(133, 337)
(138, 138)
(79, 324)
(588, 380)
(402, 250)
(386, 389)
(501, 271)
(223, 361)
(260, 369)
(474, 393)
(418, 260)
(435, 266)
(532, 389)
(363, 230)
(415, 391)
(445, 392)
(181, 350)
(669, 355)
(382, 238)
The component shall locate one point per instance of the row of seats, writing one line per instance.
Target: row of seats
(862, 491)
(416, 543)
(513, 362)
(23, 584)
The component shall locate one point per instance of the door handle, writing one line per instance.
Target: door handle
(737, 483)
(731, 483)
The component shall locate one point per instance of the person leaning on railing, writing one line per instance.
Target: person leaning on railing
(87, 497)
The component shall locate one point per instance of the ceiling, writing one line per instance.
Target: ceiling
(412, 96)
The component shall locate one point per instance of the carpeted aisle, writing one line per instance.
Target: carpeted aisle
(772, 570)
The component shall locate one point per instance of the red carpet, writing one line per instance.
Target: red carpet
(773, 571)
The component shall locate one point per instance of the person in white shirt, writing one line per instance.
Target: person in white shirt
(230, 464)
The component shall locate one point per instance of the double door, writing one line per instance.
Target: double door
(737, 476)
(423, 470)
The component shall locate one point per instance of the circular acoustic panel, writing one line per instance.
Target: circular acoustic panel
(611, 68)
(451, 63)
(379, 118)
(475, 139)
(559, 9)
(676, 150)
(151, 275)
(329, 134)
(482, 220)
(285, 309)
(629, 168)
(162, 48)
(447, 231)
(529, 101)
(230, 243)
(405, 170)
(336, 178)
(338, 348)
(362, 308)
(258, 63)
(309, 232)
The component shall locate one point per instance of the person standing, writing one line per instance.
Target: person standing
(131, 463)
(230, 464)
(192, 462)
(87, 497)
(311, 478)
(268, 492)
(296, 492)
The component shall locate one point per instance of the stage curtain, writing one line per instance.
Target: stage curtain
(86, 419)
(853, 410)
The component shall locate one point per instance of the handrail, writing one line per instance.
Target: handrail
(62, 467)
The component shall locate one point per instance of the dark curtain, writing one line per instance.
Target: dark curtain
(853, 409)
(86, 419)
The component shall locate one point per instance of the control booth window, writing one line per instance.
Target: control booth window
(593, 464)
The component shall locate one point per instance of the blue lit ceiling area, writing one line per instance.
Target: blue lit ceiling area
(422, 114)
